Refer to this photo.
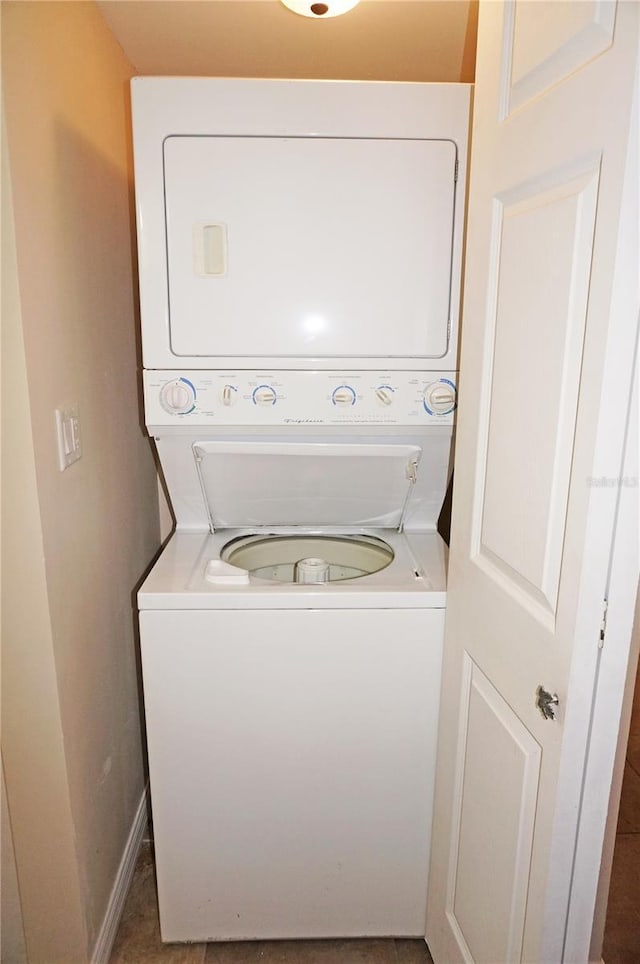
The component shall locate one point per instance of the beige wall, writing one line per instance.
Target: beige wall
(421, 40)
(32, 737)
(93, 529)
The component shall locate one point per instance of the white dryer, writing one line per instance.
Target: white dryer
(299, 224)
(292, 628)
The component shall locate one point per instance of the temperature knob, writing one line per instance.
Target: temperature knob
(177, 396)
(229, 395)
(439, 398)
(343, 396)
(384, 394)
(264, 395)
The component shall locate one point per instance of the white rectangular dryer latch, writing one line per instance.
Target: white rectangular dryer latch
(210, 249)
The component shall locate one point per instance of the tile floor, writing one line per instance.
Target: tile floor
(622, 932)
(138, 939)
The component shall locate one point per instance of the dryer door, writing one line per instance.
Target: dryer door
(309, 247)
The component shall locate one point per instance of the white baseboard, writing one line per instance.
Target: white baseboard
(107, 935)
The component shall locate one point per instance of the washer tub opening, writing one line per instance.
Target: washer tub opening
(277, 557)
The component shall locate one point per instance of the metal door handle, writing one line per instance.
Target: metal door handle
(546, 703)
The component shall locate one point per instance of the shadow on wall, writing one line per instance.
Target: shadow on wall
(100, 517)
(444, 519)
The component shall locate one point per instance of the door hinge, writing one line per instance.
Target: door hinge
(603, 624)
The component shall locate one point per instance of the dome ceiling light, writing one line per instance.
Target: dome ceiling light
(321, 10)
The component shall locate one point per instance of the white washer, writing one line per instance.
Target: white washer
(292, 628)
(292, 722)
(292, 736)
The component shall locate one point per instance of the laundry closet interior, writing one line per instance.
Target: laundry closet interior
(251, 342)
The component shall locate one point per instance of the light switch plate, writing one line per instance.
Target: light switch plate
(68, 435)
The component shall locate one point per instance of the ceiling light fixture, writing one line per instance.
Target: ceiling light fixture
(321, 10)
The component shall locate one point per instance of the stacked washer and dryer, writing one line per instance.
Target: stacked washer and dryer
(299, 254)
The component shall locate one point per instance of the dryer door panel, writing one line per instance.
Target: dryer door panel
(309, 247)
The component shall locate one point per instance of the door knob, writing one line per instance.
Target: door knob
(546, 703)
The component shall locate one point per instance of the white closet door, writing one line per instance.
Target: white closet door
(546, 349)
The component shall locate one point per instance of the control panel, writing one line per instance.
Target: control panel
(299, 398)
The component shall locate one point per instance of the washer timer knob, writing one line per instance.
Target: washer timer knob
(178, 396)
(439, 397)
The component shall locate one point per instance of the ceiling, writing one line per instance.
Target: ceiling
(411, 40)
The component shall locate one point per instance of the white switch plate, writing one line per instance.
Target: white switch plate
(68, 435)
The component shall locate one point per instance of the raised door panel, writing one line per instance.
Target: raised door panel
(498, 765)
(543, 50)
(543, 241)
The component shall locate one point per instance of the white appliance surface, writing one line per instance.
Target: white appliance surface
(309, 400)
(292, 758)
(306, 483)
(338, 235)
(291, 735)
(416, 578)
(299, 224)
(299, 253)
(193, 414)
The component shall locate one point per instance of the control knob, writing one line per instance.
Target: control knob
(177, 396)
(343, 396)
(264, 395)
(384, 394)
(440, 397)
(229, 395)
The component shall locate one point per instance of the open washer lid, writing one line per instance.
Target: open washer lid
(311, 484)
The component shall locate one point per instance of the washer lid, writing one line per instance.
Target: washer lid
(313, 484)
